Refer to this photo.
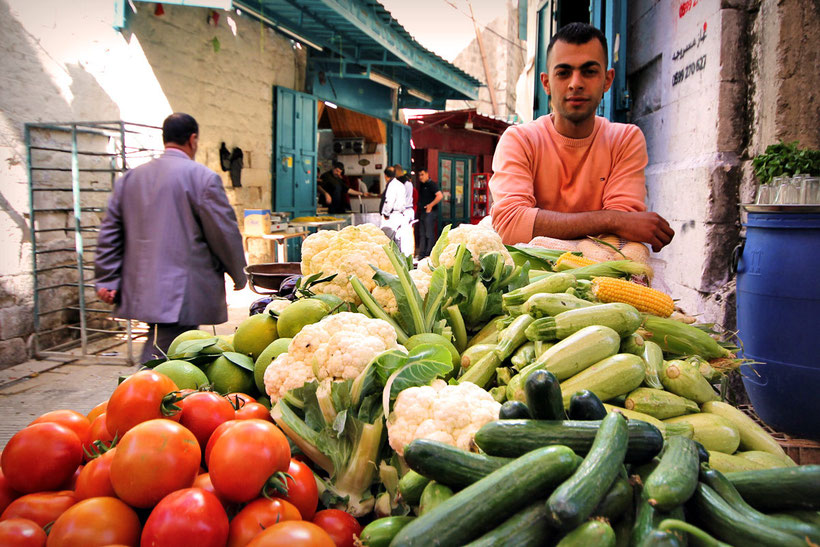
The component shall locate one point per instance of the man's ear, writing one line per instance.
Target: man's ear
(610, 76)
(545, 82)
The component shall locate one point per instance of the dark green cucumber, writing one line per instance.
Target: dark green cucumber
(617, 501)
(780, 489)
(381, 532)
(449, 465)
(411, 485)
(513, 438)
(573, 502)
(593, 532)
(720, 484)
(585, 405)
(434, 495)
(720, 519)
(543, 393)
(646, 517)
(487, 503)
(623, 528)
(703, 454)
(812, 517)
(514, 410)
(675, 478)
(527, 528)
(660, 538)
(686, 530)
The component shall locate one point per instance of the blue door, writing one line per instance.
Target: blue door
(455, 172)
(398, 145)
(294, 157)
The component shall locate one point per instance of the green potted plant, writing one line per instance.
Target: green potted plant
(785, 159)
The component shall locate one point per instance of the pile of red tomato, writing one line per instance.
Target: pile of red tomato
(191, 475)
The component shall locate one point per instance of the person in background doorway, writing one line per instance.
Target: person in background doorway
(394, 220)
(405, 236)
(429, 196)
(573, 174)
(168, 238)
(333, 188)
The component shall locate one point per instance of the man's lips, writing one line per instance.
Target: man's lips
(577, 100)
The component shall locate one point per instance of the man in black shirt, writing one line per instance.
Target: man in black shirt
(333, 188)
(429, 196)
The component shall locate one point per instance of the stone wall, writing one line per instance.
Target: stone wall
(64, 62)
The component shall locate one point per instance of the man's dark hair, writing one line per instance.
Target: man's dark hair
(178, 128)
(422, 170)
(338, 165)
(578, 34)
(390, 172)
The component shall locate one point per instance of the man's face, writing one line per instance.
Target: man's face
(337, 172)
(577, 79)
(423, 176)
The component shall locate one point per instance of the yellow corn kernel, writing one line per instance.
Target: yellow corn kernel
(567, 261)
(610, 289)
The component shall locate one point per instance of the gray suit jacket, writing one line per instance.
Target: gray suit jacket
(167, 239)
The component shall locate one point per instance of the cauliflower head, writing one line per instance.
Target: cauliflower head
(477, 239)
(340, 346)
(449, 414)
(347, 252)
(387, 300)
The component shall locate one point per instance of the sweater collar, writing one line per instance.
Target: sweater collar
(566, 141)
(175, 152)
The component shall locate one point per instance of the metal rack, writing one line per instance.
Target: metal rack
(71, 172)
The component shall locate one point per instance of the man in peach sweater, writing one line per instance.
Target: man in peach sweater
(572, 174)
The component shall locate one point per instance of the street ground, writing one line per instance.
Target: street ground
(32, 388)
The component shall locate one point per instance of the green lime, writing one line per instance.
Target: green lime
(222, 345)
(254, 334)
(333, 302)
(274, 349)
(184, 374)
(228, 377)
(185, 336)
(437, 339)
(301, 313)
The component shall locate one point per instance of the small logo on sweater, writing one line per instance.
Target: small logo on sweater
(603, 179)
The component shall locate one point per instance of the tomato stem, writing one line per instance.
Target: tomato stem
(278, 482)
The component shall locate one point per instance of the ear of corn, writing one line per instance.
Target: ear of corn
(609, 289)
(568, 261)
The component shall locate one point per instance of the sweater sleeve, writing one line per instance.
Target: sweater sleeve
(514, 207)
(626, 188)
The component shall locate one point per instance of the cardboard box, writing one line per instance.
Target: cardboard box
(257, 221)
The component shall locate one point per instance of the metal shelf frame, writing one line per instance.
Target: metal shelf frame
(43, 159)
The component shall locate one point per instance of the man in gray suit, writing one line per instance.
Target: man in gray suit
(167, 240)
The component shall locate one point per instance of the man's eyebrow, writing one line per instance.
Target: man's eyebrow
(588, 64)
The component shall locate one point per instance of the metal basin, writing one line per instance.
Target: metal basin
(270, 276)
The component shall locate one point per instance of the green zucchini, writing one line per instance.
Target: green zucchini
(434, 494)
(633, 415)
(543, 394)
(714, 432)
(503, 375)
(473, 354)
(593, 532)
(675, 478)
(513, 336)
(766, 459)
(449, 465)
(653, 361)
(752, 436)
(487, 503)
(585, 405)
(622, 318)
(514, 410)
(661, 538)
(720, 484)
(612, 376)
(632, 343)
(726, 523)
(681, 378)
(727, 463)
(781, 489)
(488, 333)
(551, 304)
(705, 368)
(658, 403)
(573, 502)
(512, 438)
(381, 532)
(527, 528)
(617, 501)
(569, 357)
(683, 429)
(554, 283)
(523, 356)
(411, 485)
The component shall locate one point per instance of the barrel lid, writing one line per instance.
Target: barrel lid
(800, 217)
(794, 209)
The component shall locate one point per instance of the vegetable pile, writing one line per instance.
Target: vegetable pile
(491, 396)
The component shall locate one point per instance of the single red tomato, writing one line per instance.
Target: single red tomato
(204, 411)
(96, 522)
(19, 532)
(75, 421)
(95, 479)
(7, 493)
(215, 437)
(203, 480)
(238, 399)
(342, 527)
(138, 399)
(96, 411)
(42, 507)
(256, 447)
(41, 457)
(293, 533)
(97, 432)
(302, 489)
(190, 516)
(153, 459)
(254, 410)
(71, 483)
(258, 515)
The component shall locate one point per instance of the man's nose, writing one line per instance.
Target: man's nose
(576, 81)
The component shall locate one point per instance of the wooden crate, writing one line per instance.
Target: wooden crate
(802, 451)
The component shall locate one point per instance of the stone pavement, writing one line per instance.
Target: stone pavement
(32, 388)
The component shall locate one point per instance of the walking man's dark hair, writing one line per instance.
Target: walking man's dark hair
(579, 33)
(178, 128)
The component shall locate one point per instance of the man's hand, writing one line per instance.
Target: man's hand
(107, 295)
(647, 227)
(429, 207)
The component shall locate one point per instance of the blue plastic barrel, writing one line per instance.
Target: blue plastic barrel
(778, 318)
